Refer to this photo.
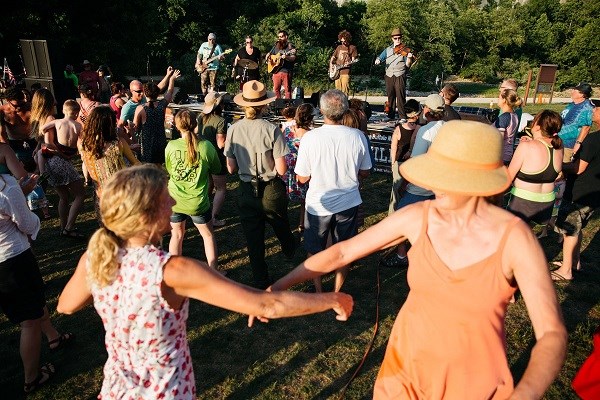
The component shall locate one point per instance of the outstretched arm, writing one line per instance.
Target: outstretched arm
(389, 232)
(163, 83)
(169, 95)
(187, 277)
(525, 258)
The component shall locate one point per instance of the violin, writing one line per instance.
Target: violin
(402, 49)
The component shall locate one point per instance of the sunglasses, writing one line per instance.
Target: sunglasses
(17, 106)
(397, 37)
(248, 42)
(138, 91)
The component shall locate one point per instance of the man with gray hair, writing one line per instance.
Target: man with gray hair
(333, 158)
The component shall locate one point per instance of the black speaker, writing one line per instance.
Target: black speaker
(41, 59)
(29, 58)
(280, 104)
(316, 97)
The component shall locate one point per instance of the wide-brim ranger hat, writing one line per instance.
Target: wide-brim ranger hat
(211, 100)
(254, 94)
(465, 158)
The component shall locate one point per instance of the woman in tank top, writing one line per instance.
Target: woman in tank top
(467, 258)
(534, 167)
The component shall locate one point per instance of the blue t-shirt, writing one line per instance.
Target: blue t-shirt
(204, 53)
(575, 117)
(128, 109)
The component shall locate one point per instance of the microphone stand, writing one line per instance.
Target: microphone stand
(148, 70)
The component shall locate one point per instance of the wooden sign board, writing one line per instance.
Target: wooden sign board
(544, 84)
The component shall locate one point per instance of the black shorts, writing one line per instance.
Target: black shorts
(528, 211)
(21, 288)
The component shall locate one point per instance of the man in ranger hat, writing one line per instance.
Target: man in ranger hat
(397, 60)
(256, 149)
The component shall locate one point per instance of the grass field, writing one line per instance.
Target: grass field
(301, 358)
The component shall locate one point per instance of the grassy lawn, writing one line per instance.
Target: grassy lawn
(301, 358)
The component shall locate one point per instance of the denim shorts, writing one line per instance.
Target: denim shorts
(341, 226)
(201, 219)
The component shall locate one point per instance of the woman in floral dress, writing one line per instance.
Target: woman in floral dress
(141, 292)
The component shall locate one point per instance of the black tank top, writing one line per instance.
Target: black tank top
(547, 175)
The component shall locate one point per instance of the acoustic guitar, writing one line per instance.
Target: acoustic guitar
(275, 61)
(334, 70)
(204, 65)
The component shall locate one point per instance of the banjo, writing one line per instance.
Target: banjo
(334, 70)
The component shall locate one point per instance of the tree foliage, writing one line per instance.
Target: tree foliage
(483, 40)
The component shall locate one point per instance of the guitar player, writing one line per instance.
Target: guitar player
(208, 71)
(281, 59)
(342, 57)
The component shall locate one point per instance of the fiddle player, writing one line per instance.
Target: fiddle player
(285, 52)
(398, 58)
(344, 54)
(246, 63)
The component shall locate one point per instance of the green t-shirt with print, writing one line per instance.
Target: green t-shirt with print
(188, 185)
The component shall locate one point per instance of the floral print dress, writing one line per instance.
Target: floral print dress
(148, 353)
(296, 191)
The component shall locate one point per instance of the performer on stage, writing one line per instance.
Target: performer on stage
(280, 61)
(343, 57)
(208, 70)
(246, 63)
(398, 59)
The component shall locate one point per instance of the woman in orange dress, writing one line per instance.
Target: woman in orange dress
(467, 258)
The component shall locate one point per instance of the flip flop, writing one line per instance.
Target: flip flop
(46, 372)
(558, 278)
(61, 341)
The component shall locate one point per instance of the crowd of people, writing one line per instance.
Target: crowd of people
(463, 198)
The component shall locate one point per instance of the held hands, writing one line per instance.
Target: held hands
(344, 306)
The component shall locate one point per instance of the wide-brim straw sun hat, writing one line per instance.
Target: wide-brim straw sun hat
(254, 94)
(465, 158)
(211, 100)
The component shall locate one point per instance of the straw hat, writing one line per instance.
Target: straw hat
(211, 100)
(253, 94)
(465, 158)
(396, 32)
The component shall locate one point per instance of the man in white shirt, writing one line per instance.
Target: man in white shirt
(333, 157)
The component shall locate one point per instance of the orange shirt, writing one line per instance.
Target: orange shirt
(448, 341)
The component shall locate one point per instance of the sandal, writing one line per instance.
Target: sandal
(62, 341)
(558, 278)
(46, 372)
(73, 233)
